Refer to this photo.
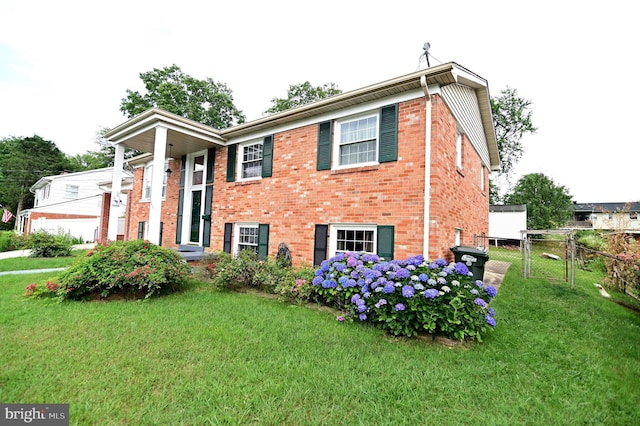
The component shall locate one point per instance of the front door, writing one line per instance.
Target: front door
(196, 205)
(196, 179)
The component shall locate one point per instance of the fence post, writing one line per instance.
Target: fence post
(573, 259)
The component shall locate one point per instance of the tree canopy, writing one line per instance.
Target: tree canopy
(302, 94)
(549, 205)
(511, 120)
(170, 89)
(24, 160)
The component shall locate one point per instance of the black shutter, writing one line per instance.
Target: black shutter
(211, 160)
(160, 240)
(388, 133)
(206, 228)
(226, 245)
(263, 241)
(385, 242)
(320, 244)
(267, 156)
(140, 230)
(231, 162)
(324, 146)
(183, 164)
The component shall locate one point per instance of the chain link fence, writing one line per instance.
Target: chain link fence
(548, 255)
(555, 255)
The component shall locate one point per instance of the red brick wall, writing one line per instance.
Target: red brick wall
(297, 196)
(457, 200)
(104, 216)
(138, 211)
(36, 215)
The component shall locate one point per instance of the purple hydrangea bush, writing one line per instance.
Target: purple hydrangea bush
(407, 297)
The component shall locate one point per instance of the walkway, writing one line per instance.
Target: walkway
(494, 271)
(25, 253)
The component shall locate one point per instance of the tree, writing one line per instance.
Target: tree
(99, 158)
(170, 89)
(23, 161)
(549, 206)
(512, 120)
(302, 94)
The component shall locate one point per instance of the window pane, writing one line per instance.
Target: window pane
(252, 161)
(198, 170)
(358, 141)
(359, 240)
(247, 238)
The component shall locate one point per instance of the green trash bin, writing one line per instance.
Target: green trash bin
(473, 257)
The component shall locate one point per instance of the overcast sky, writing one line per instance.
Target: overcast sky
(66, 65)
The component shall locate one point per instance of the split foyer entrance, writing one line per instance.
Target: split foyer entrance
(184, 152)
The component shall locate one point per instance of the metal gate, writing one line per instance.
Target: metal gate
(549, 259)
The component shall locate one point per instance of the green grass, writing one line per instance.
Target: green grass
(557, 356)
(28, 263)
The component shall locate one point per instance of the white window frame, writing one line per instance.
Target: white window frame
(459, 150)
(457, 237)
(240, 160)
(335, 228)
(337, 139)
(69, 192)
(147, 175)
(238, 227)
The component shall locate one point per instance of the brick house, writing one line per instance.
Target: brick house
(398, 168)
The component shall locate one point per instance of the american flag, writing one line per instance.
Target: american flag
(7, 216)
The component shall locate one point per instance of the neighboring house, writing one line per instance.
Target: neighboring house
(397, 168)
(607, 216)
(70, 203)
(506, 222)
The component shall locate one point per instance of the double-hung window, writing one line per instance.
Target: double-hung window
(459, 150)
(251, 160)
(146, 181)
(355, 238)
(246, 237)
(71, 191)
(357, 141)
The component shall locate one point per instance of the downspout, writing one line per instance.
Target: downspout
(427, 167)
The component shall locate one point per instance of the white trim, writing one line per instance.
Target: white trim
(187, 200)
(337, 133)
(240, 156)
(335, 227)
(354, 110)
(458, 150)
(427, 178)
(236, 234)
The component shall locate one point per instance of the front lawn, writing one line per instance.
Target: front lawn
(557, 356)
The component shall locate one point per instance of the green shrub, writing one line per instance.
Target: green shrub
(406, 297)
(225, 271)
(9, 241)
(44, 244)
(131, 269)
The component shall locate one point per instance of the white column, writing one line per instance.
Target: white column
(155, 209)
(116, 187)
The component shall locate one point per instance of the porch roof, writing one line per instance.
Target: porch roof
(184, 135)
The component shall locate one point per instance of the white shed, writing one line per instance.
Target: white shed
(506, 222)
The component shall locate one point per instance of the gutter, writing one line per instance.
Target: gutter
(427, 167)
